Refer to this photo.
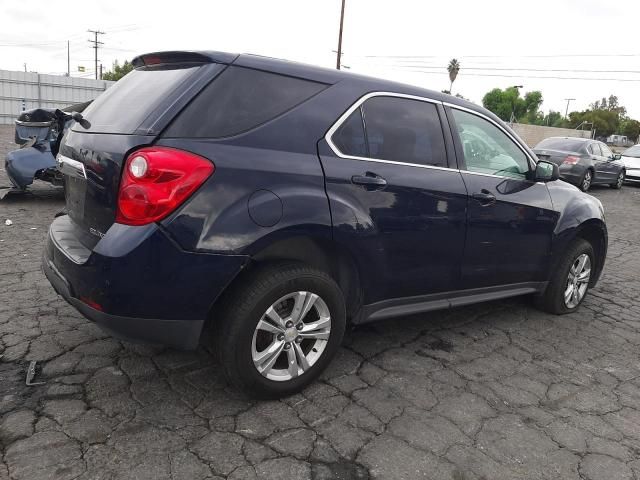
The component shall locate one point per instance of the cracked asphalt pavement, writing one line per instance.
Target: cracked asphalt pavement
(493, 391)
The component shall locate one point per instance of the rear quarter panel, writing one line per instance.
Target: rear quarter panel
(277, 164)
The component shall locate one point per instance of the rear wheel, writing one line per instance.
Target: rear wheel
(586, 181)
(280, 330)
(619, 181)
(570, 281)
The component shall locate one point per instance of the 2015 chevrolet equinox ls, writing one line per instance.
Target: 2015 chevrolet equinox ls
(278, 200)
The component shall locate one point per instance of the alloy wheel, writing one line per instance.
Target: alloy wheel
(291, 336)
(577, 281)
(620, 180)
(586, 182)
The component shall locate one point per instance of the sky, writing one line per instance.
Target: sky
(591, 45)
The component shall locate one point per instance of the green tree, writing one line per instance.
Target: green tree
(453, 68)
(508, 102)
(631, 128)
(554, 119)
(605, 122)
(118, 71)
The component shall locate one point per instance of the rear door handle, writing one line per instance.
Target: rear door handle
(484, 197)
(369, 180)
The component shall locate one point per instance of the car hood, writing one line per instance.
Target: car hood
(631, 162)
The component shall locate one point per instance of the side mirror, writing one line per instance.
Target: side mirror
(546, 172)
(615, 156)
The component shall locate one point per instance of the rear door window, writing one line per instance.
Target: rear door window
(238, 100)
(404, 130)
(125, 105)
(595, 149)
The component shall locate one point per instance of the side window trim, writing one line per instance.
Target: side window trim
(364, 129)
(358, 105)
(458, 146)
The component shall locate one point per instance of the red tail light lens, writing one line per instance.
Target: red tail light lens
(156, 180)
(571, 160)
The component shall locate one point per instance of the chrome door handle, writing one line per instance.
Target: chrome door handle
(484, 197)
(369, 180)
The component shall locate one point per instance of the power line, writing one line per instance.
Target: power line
(513, 56)
(96, 45)
(521, 69)
(534, 76)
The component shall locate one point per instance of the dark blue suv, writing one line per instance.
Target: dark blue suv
(279, 201)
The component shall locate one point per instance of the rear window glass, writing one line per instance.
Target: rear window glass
(125, 105)
(565, 144)
(404, 130)
(238, 100)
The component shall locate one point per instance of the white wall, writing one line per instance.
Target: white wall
(534, 134)
(46, 91)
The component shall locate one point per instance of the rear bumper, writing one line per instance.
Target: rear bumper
(572, 173)
(22, 165)
(136, 283)
(176, 333)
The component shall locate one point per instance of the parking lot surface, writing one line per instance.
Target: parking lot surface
(493, 391)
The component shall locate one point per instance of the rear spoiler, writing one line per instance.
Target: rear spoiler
(163, 58)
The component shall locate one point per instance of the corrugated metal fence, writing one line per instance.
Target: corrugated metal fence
(24, 90)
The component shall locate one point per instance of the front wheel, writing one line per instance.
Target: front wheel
(570, 281)
(619, 181)
(280, 330)
(585, 183)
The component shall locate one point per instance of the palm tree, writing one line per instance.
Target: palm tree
(453, 68)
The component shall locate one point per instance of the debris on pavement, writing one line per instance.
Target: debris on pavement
(8, 222)
(31, 374)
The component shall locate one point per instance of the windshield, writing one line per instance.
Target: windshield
(566, 144)
(632, 152)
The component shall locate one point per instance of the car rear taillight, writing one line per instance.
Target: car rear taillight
(571, 160)
(156, 180)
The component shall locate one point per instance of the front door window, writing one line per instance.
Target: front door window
(487, 149)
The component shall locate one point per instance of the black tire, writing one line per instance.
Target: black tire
(552, 300)
(586, 181)
(244, 307)
(620, 181)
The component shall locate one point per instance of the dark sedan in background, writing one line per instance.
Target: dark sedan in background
(583, 162)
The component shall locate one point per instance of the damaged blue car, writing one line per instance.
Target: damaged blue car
(38, 132)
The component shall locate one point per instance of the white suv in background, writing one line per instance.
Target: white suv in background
(631, 160)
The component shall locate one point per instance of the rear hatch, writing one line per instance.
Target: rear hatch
(127, 116)
(554, 156)
(557, 149)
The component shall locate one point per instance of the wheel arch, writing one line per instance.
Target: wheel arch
(320, 253)
(594, 231)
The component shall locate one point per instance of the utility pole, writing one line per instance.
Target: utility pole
(339, 54)
(68, 61)
(25, 67)
(566, 112)
(96, 45)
